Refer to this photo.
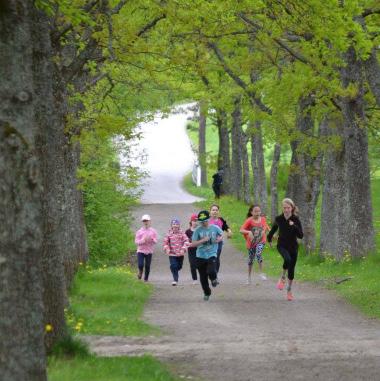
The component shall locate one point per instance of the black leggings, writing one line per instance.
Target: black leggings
(290, 260)
(206, 269)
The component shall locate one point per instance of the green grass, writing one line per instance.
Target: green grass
(92, 368)
(363, 287)
(109, 301)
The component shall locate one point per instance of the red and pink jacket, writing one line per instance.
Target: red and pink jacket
(177, 243)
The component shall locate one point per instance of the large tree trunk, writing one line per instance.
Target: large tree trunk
(273, 181)
(245, 167)
(51, 113)
(236, 138)
(361, 235)
(224, 150)
(260, 193)
(202, 143)
(22, 354)
(305, 176)
(372, 70)
(335, 221)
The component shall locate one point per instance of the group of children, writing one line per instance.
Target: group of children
(203, 241)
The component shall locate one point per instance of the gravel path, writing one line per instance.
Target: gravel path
(248, 332)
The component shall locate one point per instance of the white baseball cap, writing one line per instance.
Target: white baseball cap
(145, 217)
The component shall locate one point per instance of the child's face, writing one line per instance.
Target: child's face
(175, 227)
(256, 212)
(146, 223)
(193, 224)
(214, 211)
(287, 209)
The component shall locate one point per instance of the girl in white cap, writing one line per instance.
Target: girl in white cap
(145, 239)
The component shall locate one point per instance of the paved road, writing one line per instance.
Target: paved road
(249, 332)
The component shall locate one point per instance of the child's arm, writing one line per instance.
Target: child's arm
(139, 238)
(166, 245)
(154, 236)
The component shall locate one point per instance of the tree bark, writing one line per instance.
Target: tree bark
(236, 139)
(361, 237)
(224, 150)
(372, 71)
(260, 194)
(245, 167)
(22, 354)
(273, 180)
(202, 143)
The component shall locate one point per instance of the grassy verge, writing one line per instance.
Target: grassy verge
(362, 289)
(109, 301)
(92, 368)
(106, 301)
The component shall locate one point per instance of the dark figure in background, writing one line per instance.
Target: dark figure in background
(217, 182)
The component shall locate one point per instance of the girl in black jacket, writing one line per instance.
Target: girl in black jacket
(290, 229)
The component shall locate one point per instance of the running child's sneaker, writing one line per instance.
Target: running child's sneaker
(263, 276)
(206, 298)
(174, 283)
(289, 296)
(195, 282)
(280, 284)
(249, 280)
(214, 282)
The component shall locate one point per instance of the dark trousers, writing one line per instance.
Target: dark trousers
(217, 190)
(218, 254)
(147, 258)
(175, 266)
(206, 269)
(290, 260)
(193, 264)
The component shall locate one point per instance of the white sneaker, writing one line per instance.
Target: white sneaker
(263, 276)
(195, 282)
(174, 283)
(249, 281)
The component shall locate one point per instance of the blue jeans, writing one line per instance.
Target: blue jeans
(147, 258)
(175, 266)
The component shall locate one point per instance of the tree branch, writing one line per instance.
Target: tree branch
(150, 25)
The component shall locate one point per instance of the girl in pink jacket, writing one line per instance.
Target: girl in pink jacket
(145, 239)
(175, 245)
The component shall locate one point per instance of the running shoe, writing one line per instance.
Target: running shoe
(195, 282)
(249, 280)
(139, 275)
(174, 283)
(206, 298)
(281, 284)
(263, 276)
(214, 282)
(289, 296)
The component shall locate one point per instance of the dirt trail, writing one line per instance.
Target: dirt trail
(248, 332)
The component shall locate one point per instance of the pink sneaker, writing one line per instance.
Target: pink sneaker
(281, 284)
(290, 296)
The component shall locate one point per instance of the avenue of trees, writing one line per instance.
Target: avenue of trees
(76, 74)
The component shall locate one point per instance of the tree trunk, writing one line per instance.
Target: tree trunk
(202, 143)
(51, 113)
(245, 164)
(236, 138)
(372, 71)
(224, 150)
(361, 237)
(260, 193)
(22, 354)
(335, 221)
(273, 181)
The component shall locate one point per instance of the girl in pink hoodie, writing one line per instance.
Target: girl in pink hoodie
(145, 239)
(175, 245)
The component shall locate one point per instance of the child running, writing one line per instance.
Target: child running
(145, 239)
(290, 229)
(254, 230)
(192, 251)
(206, 238)
(216, 219)
(175, 245)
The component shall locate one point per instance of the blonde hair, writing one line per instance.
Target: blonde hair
(290, 202)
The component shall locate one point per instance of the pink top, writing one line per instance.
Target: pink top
(177, 243)
(216, 221)
(145, 240)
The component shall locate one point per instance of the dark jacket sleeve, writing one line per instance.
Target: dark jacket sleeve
(225, 227)
(272, 231)
(298, 227)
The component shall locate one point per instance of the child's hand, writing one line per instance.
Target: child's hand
(167, 251)
(229, 234)
(205, 239)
